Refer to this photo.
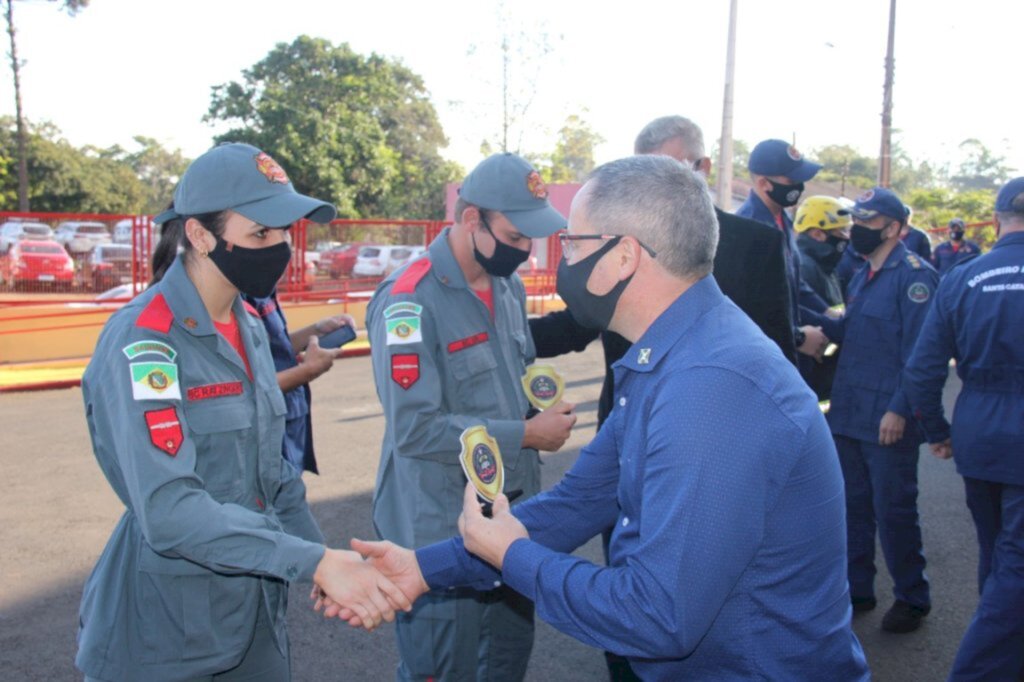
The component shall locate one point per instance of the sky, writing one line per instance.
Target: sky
(808, 71)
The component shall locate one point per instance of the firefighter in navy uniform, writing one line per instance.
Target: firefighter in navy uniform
(450, 344)
(956, 249)
(876, 435)
(186, 421)
(977, 319)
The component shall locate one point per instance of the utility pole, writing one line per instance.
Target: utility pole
(885, 157)
(724, 185)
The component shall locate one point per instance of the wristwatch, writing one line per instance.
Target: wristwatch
(799, 337)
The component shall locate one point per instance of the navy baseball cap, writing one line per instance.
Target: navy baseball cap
(956, 222)
(778, 157)
(879, 201)
(1010, 191)
(509, 184)
(248, 181)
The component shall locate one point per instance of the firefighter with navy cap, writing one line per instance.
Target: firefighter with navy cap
(976, 319)
(876, 435)
(450, 345)
(778, 173)
(949, 253)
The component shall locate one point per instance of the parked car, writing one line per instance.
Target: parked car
(107, 266)
(123, 231)
(14, 230)
(37, 262)
(372, 261)
(400, 255)
(79, 238)
(338, 262)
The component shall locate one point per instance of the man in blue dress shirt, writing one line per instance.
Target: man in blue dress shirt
(716, 468)
(977, 319)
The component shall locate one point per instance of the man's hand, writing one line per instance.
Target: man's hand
(890, 430)
(550, 429)
(943, 450)
(490, 538)
(814, 343)
(352, 583)
(317, 360)
(329, 324)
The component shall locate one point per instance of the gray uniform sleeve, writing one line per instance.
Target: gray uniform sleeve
(410, 386)
(177, 516)
(291, 506)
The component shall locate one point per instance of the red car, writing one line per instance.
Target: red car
(340, 261)
(36, 263)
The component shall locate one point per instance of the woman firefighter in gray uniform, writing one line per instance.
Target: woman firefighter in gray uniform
(186, 421)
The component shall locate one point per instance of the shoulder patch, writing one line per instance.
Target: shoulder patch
(156, 315)
(919, 292)
(155, 381)
(150, 347)
(407, 281)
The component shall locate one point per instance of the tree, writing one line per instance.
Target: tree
(573, 158)
(980, 168)
(935, 207)
(63, 178)
(158, 169)
(359, 131)
(72, 7)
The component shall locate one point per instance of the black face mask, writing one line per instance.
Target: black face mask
(253, 271)
(589, 310)
(504, 261)
(865, 240)
(958, 235)
(838, 245)
(785, 195)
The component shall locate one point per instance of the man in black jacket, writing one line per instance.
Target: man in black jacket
(749, 266)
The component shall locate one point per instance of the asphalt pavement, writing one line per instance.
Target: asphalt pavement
(58, 511)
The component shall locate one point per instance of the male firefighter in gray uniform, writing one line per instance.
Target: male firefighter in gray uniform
(450, 346)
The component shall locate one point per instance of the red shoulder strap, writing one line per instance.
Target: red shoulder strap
(407, 281)
(156, 315)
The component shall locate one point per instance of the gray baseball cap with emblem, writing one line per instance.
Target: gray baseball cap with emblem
(242, 178)
(509, 184)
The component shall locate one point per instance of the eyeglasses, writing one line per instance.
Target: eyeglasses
(567, 241)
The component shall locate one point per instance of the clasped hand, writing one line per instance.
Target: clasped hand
(344, 579)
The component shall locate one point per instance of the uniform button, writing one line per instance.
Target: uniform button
(622, 402)
(625, 521)
(497, 583)
(292, 572)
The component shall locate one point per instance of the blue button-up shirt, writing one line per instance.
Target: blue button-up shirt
(978, 319)
(717, 470)
(884, 313)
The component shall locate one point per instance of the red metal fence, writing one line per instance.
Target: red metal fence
(68, 258)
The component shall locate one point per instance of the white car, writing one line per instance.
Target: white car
(372, 261)
(80, 237)
(123, 231)
(400, 255)
(14, 230)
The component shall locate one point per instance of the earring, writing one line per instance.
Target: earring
(204, 253)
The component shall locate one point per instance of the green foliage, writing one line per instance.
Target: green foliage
(980, 168)
(158, 169)
(63, 178)
(358, 131)
(573, 158)
(934, 208)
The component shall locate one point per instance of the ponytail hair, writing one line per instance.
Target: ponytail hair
(173, 240)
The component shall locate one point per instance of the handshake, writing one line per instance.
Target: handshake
(365, 587)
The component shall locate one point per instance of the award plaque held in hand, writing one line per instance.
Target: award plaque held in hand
(543, 386)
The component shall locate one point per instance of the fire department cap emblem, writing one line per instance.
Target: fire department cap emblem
(536, 185)
(793, 153)
(271, 169)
